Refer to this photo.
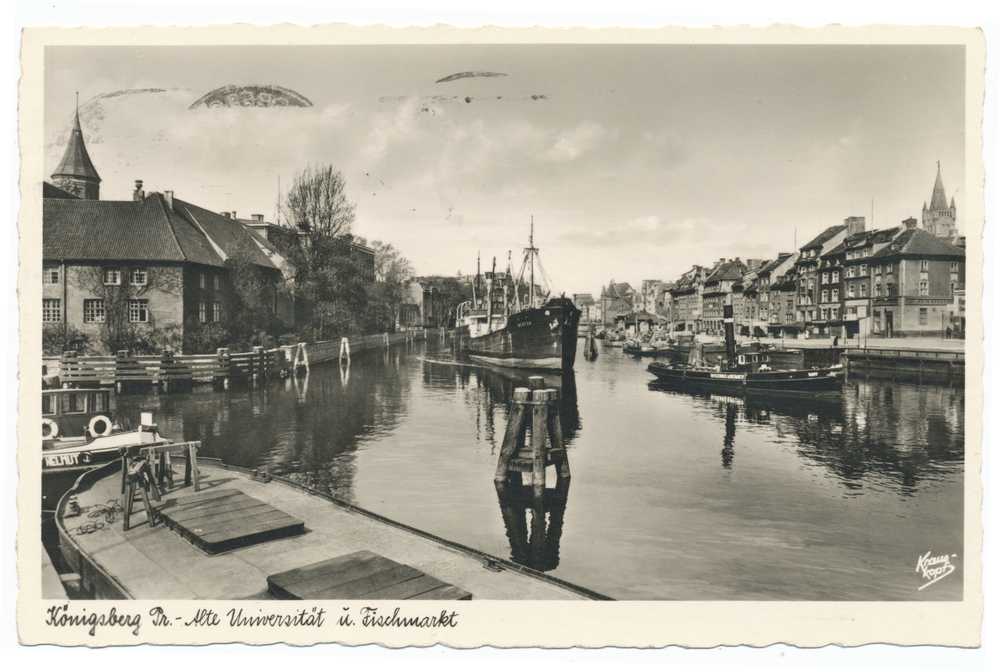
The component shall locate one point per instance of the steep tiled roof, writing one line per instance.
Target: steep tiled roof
(823, 237)
(918, 242)
(146, 230)
(729, 270)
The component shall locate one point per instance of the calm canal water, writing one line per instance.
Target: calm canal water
(673, 495)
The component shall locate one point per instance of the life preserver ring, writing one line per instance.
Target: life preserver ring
(99, 426)
(51, 426)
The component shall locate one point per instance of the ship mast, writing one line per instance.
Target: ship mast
(531, 259)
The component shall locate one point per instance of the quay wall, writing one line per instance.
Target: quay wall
(169, 369)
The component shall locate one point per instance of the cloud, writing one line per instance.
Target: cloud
(573, 143)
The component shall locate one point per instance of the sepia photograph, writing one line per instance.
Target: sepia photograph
(324, 330)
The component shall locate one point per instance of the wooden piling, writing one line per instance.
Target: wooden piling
(223, 372)
(539, 428)
(547, 446)
(513, 438)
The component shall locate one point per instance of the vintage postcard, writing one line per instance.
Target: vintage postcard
(501, 337)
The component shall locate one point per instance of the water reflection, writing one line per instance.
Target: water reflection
(904, 434)
(535, 545)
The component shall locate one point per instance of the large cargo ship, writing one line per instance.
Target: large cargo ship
(512, 321)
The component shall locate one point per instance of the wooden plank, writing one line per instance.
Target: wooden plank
(350, 572)
(360, 588)
(407, 589)
(234, 510)
(211, 504)
(204, 496)
(295, 575)
(446, 593)
(243, 526)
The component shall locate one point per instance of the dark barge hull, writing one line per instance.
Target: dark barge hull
(542, 337)
(819, 380)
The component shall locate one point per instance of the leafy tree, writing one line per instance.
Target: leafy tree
(250, 315)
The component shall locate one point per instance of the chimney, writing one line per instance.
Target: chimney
(257, 217)
(854, 225)
(227, 215)
(234, 214)
(138, 194)
(169, 197)
(910, 223)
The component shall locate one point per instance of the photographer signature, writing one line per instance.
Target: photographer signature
(934, 568)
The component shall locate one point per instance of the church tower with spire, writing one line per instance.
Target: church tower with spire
(76, 172)
(939, 218)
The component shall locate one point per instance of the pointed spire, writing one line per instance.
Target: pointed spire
(76, 172)
(938, 200)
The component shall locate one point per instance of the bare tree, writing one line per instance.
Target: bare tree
(392, 272)
(317, 202)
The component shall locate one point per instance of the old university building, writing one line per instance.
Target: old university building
(154, 264)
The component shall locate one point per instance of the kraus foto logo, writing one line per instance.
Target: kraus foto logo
(934, 568)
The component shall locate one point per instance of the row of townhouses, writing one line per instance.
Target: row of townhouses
(846, 282)
(156, 262)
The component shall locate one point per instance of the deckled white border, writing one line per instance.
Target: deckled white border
(604, 629)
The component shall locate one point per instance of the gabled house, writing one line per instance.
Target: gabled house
(717, 293)
(617, 299)
(919, 283)
(154, 266)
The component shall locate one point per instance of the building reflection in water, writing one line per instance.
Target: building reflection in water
(902, 432)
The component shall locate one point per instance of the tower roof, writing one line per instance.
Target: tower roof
(938, 200)
(76, 161)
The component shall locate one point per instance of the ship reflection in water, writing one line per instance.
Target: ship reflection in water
(676, 495)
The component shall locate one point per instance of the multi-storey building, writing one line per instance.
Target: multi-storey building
(685, 298)
(918, 280)
(808, 276)
(153, 267)
(717, 292)
(617, 299)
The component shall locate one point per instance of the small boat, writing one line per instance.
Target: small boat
(79, 432)
(513, 322)
(637, 348)
(748, 372)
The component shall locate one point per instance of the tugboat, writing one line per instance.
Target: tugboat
(512, 322)
(749, 372)
(78, 431)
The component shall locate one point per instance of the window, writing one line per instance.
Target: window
(824, 313)
(216, 312)
(850, 271)
(864, 269)
(952, 287)
(850, 291)
(826, 278)
(923, 316)
(138, 277)
(864, 290)
(835, 295)
(888, 289)
(112, 276)
(925, 265)
(878, 321)
(923, 288)
(201, 282)
(215, 280)
(835, 277)
(824, 296)
(50, 274)
(51, 310)
(138, 310)
(201, 311)
(878, 289)
(954, 266)
(878, 270)
(93, 311)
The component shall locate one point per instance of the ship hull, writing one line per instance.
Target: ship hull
(544, 337)
(805, 381)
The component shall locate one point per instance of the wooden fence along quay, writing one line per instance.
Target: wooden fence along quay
(935, 365)
(168, 370)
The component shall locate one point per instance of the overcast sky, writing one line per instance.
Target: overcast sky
(635, 161)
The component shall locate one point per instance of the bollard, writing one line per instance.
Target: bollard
(547, 444)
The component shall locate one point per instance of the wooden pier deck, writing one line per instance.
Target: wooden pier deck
(159, 563)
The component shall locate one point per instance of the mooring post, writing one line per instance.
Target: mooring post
(166, 369)
(259, 364)
(120, 369)
(345, 349)
(222, 366)
(539, 428)
(386, 338)
(513, 438)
